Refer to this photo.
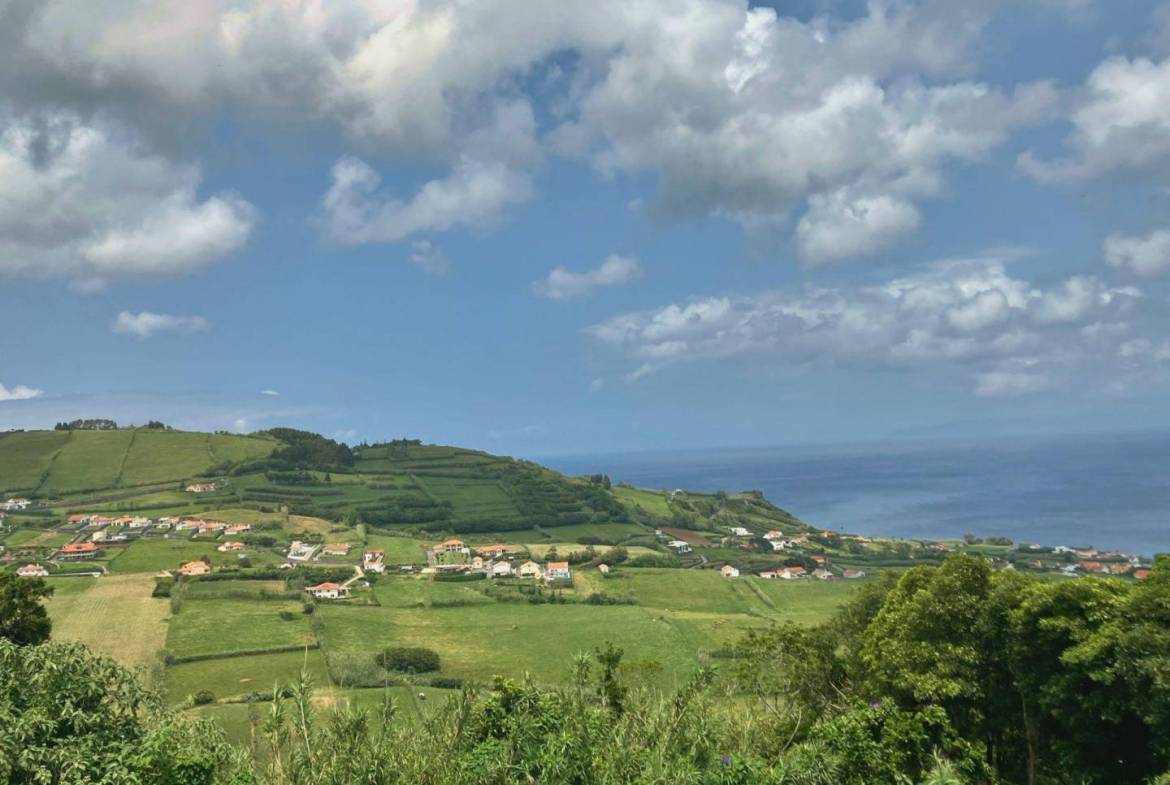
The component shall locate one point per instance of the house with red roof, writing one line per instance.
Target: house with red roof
(327, 591)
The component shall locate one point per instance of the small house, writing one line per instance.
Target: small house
(791, 573)
(740, 531)
(201, 487)
(452, 545)
(729, 572)
(768, 575)
(1141, 573)
(530, 569)
(328, 591)
(557, 571)
(16, 503)
(238, 528)
(195, 568)
(477, 563)
(32, 571)
(774, 535)
(501, 569)
(821, 574)
(679, 546)
(230, 545)
(492, 551)
(851, 574)
(336, 549)
(374, 560)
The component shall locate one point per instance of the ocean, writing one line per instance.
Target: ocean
(1111, 491)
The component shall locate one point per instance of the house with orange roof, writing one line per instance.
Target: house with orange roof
(230, 545)
(32, 571)
(492, 550)
(201, 487)
(336, 549)
(729, 572)
(374, 560)
(77, 550)
(452, 545)
(557, 571)
(195, 568)
(1141, 573)
(328, 591)
(790, 573)
(238, 528)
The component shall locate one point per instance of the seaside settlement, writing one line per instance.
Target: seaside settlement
(85, 543)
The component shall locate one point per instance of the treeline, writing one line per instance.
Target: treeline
(307, 450)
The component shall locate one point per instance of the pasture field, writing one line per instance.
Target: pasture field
(25, 456)
(226, 626)
(36, 538)
(154, 555)
(615, 532)
(472, 498)
(539, 550)
(670, 589)
(227, 447)
(165, 455)
(480, 641)
(113, 615)
(653, 502)
(231, 676)
(89, 459)
(399, 550)
(804, 601)
(197, 590)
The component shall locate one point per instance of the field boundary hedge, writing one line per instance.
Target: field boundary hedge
(173, 660)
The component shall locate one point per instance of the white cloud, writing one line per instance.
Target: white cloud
(271, 393)
(19, 393)
(561, 284)
(597, 385)
(1004, 384)
(83, 202)
(1146, 255)
(837, 226)
(1120, 122)
(735, 110)
(474, 194)
(145, 324)
(429, 258)
(969, 317)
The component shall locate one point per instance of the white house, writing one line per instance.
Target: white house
(530, 569)
(790, 573)
(774, 535)
(16, 504)
(821, 574)
(557, 571)
(374, 560)
(729, 572)
(740, 531)
(779, 545)
(853, 574)
(328, 591)
(300, 551)
(769, 575)
(501, 569)
(679, 546)
(201, 487)
(32, 571)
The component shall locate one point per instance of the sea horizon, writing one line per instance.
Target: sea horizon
(1105, 489)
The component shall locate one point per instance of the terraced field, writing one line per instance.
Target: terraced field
(25, 457)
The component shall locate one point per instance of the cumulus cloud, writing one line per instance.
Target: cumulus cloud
(968, 316)
(561, 284)
(734, 110)
(429, 258)
(271, 393)
(474, 194)
(1145, 255)
(1120, 122)
(146, 325)
(83, 202)
(19, 393)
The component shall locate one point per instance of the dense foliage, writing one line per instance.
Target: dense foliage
(306, 450)
(407, 659)
(23, 619)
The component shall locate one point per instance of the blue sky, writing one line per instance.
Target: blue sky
(551, 228)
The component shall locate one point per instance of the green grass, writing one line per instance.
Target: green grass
(607, 531)
(399, 550)
(511, 639)
(703, 591)
(233, 676)
(68, 587)
(36, 538)
(89, 459)
(226, 447)
(224, 626)
(155, 555)
(165, 455)
(24, 457)
(200, 589)
(472, 499)
(653, 502)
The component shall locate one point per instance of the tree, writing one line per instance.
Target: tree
(23, 619)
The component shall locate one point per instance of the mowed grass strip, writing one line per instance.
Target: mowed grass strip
(232, 676)
(153, 556)
(510, 639)
(114, 615)
(25, 456)
(165, 455)
(226, 626)
(89, 459)
(693, 590)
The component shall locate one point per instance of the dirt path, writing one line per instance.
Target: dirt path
(115, 616)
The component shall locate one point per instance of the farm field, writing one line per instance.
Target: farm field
(606, 531)
(92, 461)
(154, 555)
(25, 456)
(165, 455)
(230, 676)
(399, 550)
(540, 550)
(36, 538)
(113, 615)
(226, 447)
(223, 626)
(653, 502)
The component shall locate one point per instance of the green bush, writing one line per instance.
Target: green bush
(203, 697)
(408, 659)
